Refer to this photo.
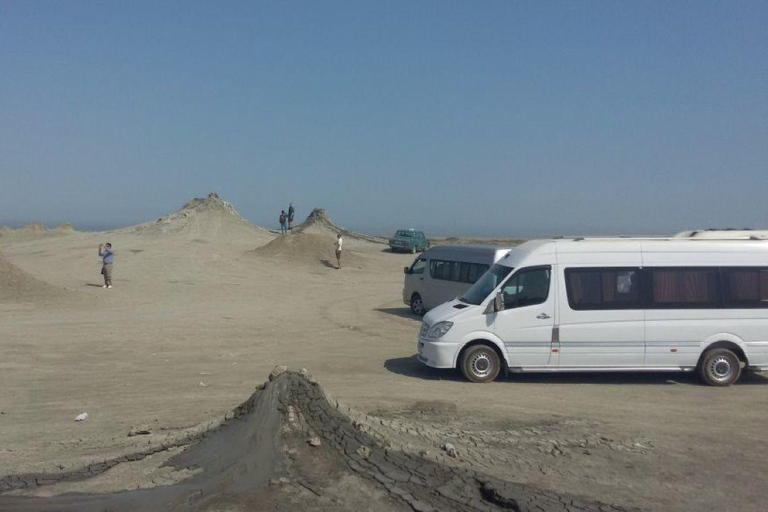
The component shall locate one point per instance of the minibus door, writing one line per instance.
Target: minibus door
(525, 325)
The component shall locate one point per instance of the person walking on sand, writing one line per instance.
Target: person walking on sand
(283, 229)
(291, 213)
(107, 255)
(337, 246)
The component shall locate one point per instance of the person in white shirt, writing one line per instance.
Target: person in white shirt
(337, 245)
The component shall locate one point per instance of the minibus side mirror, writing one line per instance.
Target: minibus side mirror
(498, 303)
(405, 270)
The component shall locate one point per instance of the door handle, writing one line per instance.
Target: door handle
(543, 316)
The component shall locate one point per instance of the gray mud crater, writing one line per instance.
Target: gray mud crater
(289, 447)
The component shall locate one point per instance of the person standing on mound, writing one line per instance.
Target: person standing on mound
(337, 246)
(107, 255)
(291, 213)
(283, 229)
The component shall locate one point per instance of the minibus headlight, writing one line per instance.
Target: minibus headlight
(439, 329)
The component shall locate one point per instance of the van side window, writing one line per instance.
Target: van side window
(418, 266)
(458, 271)
(603, 288)
(745, 287)
(527, 288)
(677, 288)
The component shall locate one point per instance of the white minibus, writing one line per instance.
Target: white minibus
(609, 305)
(445, 272)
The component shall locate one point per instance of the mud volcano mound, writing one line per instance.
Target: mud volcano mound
(307, 247)
(287, 448)
(18, 286)
(208, 218)
(319, 222)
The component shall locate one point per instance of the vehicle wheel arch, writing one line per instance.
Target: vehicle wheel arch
(497, 346)
(728, 342)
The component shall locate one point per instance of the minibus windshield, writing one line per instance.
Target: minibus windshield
(486, 284)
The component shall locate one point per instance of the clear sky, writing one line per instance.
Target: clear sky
(476, 117)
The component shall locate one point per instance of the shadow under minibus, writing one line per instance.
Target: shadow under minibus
(401, 312)
(412, 367)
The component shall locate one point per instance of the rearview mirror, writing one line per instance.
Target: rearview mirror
(405, 270)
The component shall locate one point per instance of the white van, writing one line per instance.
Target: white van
(610, 305)
(445, 272)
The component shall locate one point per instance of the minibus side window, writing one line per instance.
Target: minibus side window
(418, 266)
(745, 287)
(675, 288)
(603, 288)
(526, 288)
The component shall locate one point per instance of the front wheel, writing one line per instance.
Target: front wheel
(720, 367)
(480, 364)
(417, 305)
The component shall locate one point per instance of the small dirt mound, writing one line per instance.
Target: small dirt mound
(18, 286)
(287, 444)
(205, 218)
(318, 222)
(307, 247)
(65, 227)
(36, 227)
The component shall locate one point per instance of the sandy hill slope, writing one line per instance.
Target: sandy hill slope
(18, 286)
(208, 219)
(319, 223)
(307, 247)
(35, 231)
(313, 240)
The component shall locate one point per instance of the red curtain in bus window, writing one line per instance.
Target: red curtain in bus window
(743, 285)
(685, 286)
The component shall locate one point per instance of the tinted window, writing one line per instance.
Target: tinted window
(418, 266)
(456, 271)
(685, 287)
(526, 288)
(745, 287)
(485, 285)
(603, 288)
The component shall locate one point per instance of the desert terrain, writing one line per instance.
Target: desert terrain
(206, 304)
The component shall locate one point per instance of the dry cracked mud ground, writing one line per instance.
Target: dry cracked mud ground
(290, 446)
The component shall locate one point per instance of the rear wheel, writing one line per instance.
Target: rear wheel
(720, 367)
(480, 364)
(417, 305)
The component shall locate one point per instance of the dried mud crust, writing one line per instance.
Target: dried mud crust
(254, 460)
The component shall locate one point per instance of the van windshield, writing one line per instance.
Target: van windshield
(406, 234)
(486, 284)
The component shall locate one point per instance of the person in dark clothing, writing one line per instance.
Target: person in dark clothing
(291, 213)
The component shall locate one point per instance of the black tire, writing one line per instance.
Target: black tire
(480, 364)
(417, 305)
(720, 367)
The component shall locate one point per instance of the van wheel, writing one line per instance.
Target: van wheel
(480, 364)
(417, 305)
(720, 367)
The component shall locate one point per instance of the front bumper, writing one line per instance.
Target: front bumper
(437, 354)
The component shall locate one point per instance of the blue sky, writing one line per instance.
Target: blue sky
(487, 118)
